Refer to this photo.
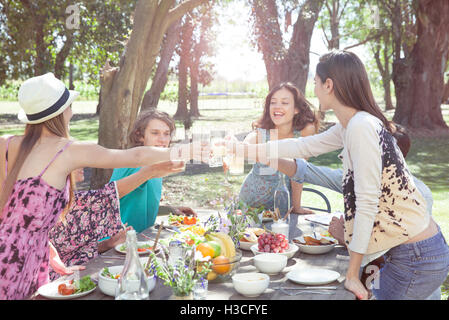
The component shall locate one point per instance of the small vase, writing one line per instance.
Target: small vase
(181, 297)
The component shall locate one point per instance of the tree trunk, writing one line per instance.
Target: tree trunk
(71, 85)
(183, 69)
(386, 78)
(387, 92)
(183, 92)
(419, 97)
(172, 37)
(41, 59)
(122, 88)
(62, 56)
(384, 70)
(282, 64)
(194, 93)
(297, 61)
(446, 93)
(335, 16)
(269, 39)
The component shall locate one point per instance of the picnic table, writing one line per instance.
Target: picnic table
(336, 260)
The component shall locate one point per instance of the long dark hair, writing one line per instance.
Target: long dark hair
(305, 115)
(351, 84)
(33, 132)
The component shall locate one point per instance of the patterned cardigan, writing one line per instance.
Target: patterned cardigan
(383, 207)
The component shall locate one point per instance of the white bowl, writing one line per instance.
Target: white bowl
(251, 284)
(292, 248)
(245, 245)
(318, 249)
(108, 285)
(270, 263)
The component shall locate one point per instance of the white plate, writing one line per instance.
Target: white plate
(292, 248)
(139, 243)
(312, 276)
(245, 245)
(321, 249)
(50, 291)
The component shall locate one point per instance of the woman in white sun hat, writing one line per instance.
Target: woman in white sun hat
(36, 180)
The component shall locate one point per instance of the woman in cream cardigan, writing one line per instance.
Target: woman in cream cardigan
(385, 214)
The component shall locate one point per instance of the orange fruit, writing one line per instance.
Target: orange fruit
(221, 265)
(206, 249)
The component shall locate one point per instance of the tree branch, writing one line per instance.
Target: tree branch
(343, 10)
(325, 36)
(182, 8)
(377, 35)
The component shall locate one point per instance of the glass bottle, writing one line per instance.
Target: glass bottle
(281, 203)
(133, 283)
(281, 196)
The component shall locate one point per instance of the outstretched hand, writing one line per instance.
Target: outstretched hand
(336, 229)
(59, 267)
(166, 168)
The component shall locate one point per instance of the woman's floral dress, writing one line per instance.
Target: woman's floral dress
(95, 215)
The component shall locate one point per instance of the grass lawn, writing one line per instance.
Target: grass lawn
(200, 187)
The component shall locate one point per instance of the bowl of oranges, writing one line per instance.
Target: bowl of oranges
(223, 268)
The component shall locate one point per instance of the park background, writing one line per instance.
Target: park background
(213, 65)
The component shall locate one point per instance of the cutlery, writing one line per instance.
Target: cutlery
(146, 237)
(113, 257)
(168, 228)
(289, 293)
(311, 288)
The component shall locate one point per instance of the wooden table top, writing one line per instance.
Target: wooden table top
(336, 260)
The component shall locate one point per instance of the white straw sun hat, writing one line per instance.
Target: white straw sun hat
(42, 98)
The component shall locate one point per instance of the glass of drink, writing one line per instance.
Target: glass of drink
(199, 139)
(200, 289)
(281, 226)
(218, 148)
(237, 162)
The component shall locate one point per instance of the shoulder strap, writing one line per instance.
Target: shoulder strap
(6, 155)
(54, 158)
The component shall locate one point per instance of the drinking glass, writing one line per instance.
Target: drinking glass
(199, 139)
(226, 164)
(200, 289)
(218, 149)
(237, 162)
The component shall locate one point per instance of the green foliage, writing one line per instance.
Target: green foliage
(88, 90)
(34, 37)
(9, 91)
(170, 92)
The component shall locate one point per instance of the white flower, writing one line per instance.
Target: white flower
(199, 257)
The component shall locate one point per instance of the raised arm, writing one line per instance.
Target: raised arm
(304, 147)
(92, 155)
